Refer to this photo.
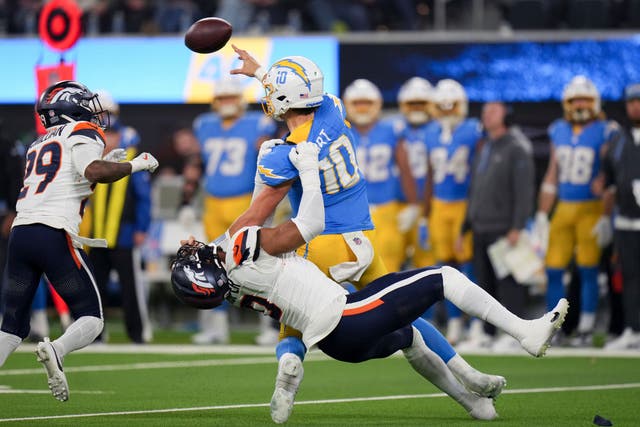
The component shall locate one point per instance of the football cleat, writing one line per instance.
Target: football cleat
(46, 354)
(483, 409)
(542, 330)
(486, 385)
(628, 340)
(290, 373)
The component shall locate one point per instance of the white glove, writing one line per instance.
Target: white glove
(407, 217)
(116, 155)
(267, 146)
(144, 161)
(304, 157)
(603, 230)
(540, 233)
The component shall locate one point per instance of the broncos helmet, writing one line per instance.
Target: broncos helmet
(198, 277)
(69, 101)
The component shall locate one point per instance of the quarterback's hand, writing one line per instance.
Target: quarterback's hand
(603, 231)
(423, 234)
(267, 146)
(407, 217)
(249, 64)
(540, 233)
(304, 157)
(116, 155)
(144, 162)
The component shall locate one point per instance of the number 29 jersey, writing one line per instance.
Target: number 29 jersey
(343, 186)
(578, 156)
(54, 191)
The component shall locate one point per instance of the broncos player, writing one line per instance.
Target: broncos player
(577, 143)
(62, 168)
(414, 100)
(383, 161)
(451, 143)
(263, 273)
(229, 138)
(294, 94)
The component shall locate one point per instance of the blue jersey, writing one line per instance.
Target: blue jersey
(578, 156)
(230, 154)
(376, 158)
(343, 186)
(450, 158)
(415, 142)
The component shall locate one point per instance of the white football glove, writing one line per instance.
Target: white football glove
(603, 231)
(116, 155)
(407, 217)
(304, 157)
(540, 233)
(267, 146)
(144, 161)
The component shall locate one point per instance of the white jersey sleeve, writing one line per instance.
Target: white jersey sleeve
(287, 287)
(85, 154)
(55, 191)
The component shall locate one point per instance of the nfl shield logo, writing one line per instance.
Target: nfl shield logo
(357, 241)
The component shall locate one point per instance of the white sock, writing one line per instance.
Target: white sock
(587, 322)
(462, 370)
(430, 366)
(474, 300)
(79, 334)
(8, 344)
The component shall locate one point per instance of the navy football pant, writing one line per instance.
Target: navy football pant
(376, 321)
(35, 249)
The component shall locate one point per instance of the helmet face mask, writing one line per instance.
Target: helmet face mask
(414, 99)
(69, 101)
(198, 277)
(294, 82)
(581, 100)
(228, 100)
(450, 102)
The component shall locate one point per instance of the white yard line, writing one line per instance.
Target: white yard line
(318, 402)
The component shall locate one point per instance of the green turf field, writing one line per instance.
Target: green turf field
(234, 390)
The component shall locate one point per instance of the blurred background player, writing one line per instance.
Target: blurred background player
(414, 101)
(451, 142)
(500, 202)
(622, 179)
(577, 143)
(120, 212)
(230, 138)
(382, 158)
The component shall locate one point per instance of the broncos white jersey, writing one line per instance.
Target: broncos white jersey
(54, 191)
(286, 287)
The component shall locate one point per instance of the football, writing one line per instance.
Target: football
(208, 35)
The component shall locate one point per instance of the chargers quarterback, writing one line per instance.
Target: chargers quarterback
(578, 142)
(295, 95)
(262, 272)
(61, 170)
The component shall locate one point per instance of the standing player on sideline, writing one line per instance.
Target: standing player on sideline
(452, 140)
(294, 93)
(577, 143)
(414, 101)
(263, 273)
(383, 161)
(229, 138)
(62, 167)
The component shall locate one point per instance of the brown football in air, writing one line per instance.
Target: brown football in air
(208, 35)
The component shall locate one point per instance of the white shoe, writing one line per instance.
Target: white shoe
(46, 354)
(483, 409)
(454, 330)
(485, 385)
(628, 340)
(542, 330)
(290, 373)
(268, 337)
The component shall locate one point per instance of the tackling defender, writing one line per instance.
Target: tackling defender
(261, 272)
(62, 168)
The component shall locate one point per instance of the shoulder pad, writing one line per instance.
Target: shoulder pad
(88, 130)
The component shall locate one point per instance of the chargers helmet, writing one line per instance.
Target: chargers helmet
(232, 89)
(414, 99)
(363, 102)
(69, 101)
(450, 101)
(198, 277)
(583, 88)
(292, 82)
